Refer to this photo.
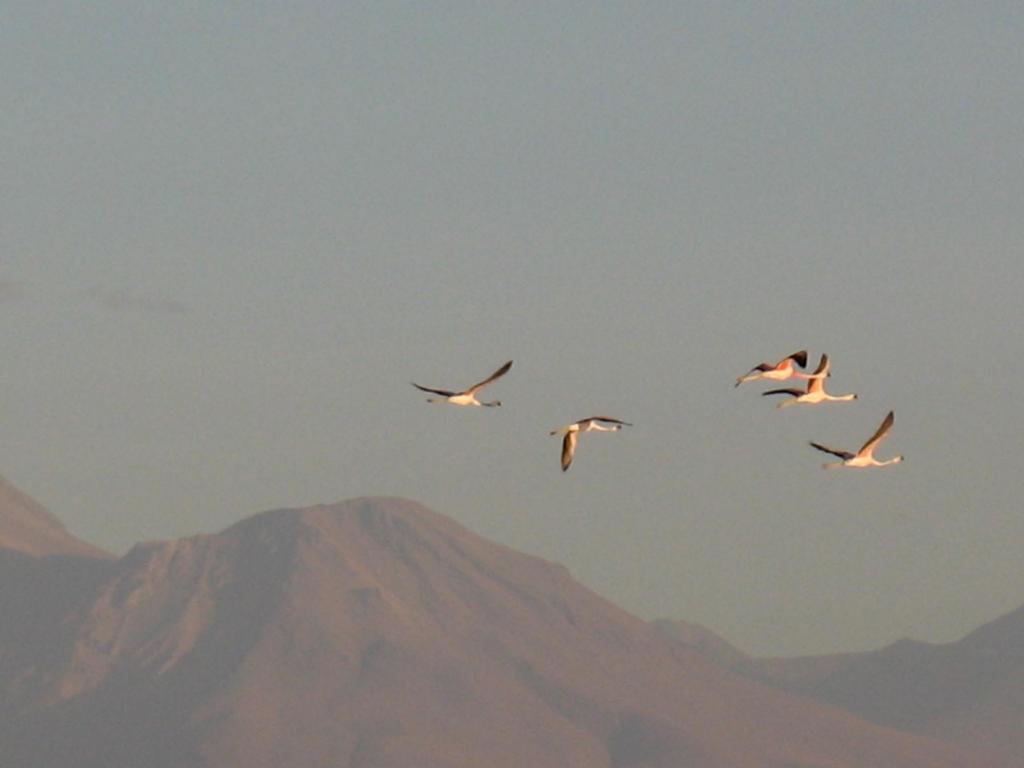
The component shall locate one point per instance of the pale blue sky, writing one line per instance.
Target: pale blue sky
(233, 233)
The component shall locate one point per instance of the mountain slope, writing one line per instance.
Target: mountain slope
(45, 573)
(378, 633)
(26, 526)
(701, 639)
(970, 691)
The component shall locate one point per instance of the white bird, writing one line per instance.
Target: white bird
(865, 456)
(780, 371)
(592, 424)
(815, 389)
(468, 396)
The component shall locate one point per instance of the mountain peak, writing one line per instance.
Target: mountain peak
(370, 514)
(27, 526)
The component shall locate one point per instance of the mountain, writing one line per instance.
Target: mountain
(26, 526)
(45, 573)
(377, 633)
(970, 692)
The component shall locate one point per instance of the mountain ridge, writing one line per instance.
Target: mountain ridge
(376, 632)
(27, 526)
(969, 691)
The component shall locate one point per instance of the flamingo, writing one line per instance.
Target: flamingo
(592, 424)
(780, 371)
(815, 389)
(467, 396)
(865, 456)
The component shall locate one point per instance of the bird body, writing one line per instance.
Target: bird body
(467, 396)
(865, 456)
(570, 433)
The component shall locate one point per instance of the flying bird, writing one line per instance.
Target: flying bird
(865, 456)
(467, 396)
(815, 389)
(780, 371)
(592, 424)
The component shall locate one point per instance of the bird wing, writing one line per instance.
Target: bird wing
(879, 435)
(496, 375)
(606, 420)
(759, 367)
(793, 392)
(442, 392)
(844, 455)
(568, 449)
(800, 358)
(817, 385)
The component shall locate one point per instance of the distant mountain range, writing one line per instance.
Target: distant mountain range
(970, 692)
(377, 633)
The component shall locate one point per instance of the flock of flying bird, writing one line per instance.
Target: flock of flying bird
(814, 394)
(570, 432)
(784, 370)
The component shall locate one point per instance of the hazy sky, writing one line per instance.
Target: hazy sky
(233, 233)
